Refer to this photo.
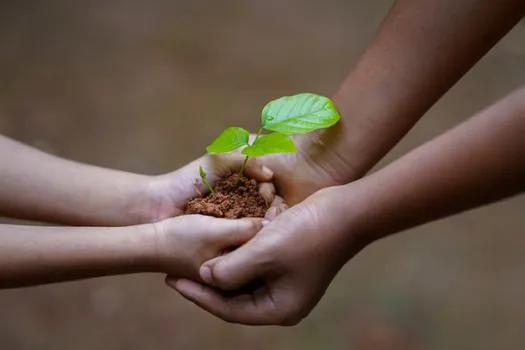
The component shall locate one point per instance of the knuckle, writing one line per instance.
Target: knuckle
(247, 227)
(255, 226)
(160, 228)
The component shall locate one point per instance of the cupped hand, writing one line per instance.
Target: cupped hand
(314, 166)
(184, 243)
(295, 175)
(293, 260)
(165, 196)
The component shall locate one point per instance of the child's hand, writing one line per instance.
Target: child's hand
(165, 196)
(184, 243)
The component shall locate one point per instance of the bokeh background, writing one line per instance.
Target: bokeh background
(144, 85)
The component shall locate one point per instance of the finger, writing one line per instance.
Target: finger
(277, 208)
(257, 171)
(278, 200)
(218, 165)
(267, 191)
(233, 233)
(249, 309)
(236, 269)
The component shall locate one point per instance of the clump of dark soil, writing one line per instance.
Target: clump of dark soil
(232, 198)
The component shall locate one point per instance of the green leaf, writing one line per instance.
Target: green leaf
(271, 143)
(299, 114)
(202, 173)
(229, 140)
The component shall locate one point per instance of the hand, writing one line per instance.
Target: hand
(315, 166)
(296, 256)
(296, 176)
(184, 243)
(164, 196)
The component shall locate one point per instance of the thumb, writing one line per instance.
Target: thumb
(234, 270)
(256, 170)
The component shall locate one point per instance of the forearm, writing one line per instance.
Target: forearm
(38, 186)
(422, 48)
(479, 162)
(32, 255)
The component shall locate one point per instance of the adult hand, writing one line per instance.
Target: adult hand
(296, 256)
(313, 167)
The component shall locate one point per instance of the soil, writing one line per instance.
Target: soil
(231, 199)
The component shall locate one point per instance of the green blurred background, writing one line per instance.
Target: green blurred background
(144, 85)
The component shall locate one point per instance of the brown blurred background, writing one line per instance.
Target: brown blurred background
(144, 85)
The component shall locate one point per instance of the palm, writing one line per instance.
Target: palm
(166, 195)
(281, 255)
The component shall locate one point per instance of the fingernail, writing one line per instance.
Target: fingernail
(206, 276)
(265, 222)
(267, 171)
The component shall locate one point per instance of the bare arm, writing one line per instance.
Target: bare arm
(38, 186)
(479, 162)
(299, 253)
(32, 255)
(423, 47)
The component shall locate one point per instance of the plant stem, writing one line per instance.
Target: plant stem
(246, 159)
(242, 167)
(208, 185)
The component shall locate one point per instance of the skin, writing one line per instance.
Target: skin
(420, 51)
(43, 187)
(422, 48)
(38, 186)
(298, 254)
(31, 255)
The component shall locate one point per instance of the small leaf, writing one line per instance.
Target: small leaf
(202, 173)
(229, 140)
(299, 114)
(271, 143)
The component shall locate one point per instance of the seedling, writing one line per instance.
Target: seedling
(283, 117)
(202, 173)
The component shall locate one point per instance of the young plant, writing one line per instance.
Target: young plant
(283, 117)
(202, 173)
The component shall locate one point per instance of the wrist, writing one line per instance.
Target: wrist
(358, 212)
(342, 222)
(144, 242)
(167, 253)
(335, 151)
(149, 202)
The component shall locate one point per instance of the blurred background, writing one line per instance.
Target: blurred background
(144, 86)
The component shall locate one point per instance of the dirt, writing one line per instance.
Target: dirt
(232, 198)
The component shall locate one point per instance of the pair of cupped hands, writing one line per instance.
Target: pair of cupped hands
(281, 265)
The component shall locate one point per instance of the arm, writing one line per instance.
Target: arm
(300, 252)
(38, 186)
(477, 163)
(422, 48)
(32, 255)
